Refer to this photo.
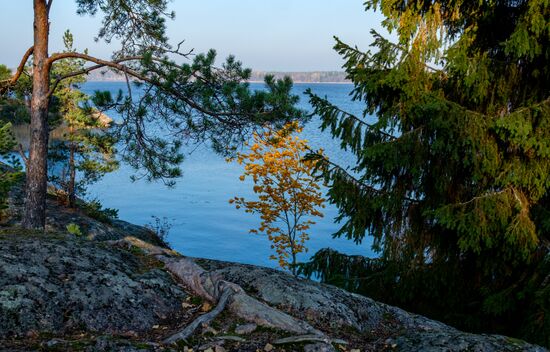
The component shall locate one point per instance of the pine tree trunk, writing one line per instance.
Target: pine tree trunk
(72, 176)
(35, 197)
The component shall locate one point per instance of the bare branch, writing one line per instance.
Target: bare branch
(100, 64)
(23, 155)
(74, 55)
(20, 69)
(49, 6)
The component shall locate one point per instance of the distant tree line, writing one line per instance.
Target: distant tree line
(255, 76)
(305, 77)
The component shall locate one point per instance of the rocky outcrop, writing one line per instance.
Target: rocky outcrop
(61, 286)
(115, 289)
(58, 217)
(332, 309)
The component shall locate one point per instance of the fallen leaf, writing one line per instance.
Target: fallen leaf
(206, 307)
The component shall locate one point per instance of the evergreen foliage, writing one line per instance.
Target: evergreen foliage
(452, 178)
(9, 165)
(86, 151)
(94, 209)
(193, 103)
(10, 168)
(183, 97)
(12, 106)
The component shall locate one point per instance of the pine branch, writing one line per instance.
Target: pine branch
(100, 64)
(173, 91)
(116, 64)
(4, 85)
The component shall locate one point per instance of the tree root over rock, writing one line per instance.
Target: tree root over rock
(308, 338)
(203, 319)
(213, 288)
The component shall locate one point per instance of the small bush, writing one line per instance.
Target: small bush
(161, 228)
(95, 210)
(74, 229)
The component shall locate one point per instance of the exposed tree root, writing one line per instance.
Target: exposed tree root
(230, 338)
(308, 338)
(241, 304)
(203, 319)
(216, 290)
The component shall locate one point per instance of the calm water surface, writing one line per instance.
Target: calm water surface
(204, 223)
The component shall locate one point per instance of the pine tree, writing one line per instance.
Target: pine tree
(86, 147)
(10, 167)
(13, 103)
(10, 172)
(183, 96)
(452, 178)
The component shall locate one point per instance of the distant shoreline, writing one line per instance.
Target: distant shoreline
(304, 82)
(309, 77)
(255, 81)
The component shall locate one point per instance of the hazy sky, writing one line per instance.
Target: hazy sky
(279, 35)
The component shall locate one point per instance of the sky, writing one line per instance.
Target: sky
(266, 35)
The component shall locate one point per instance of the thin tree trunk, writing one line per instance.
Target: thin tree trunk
(35, 197)
(72, 175)
(293, 263)
(292, 238)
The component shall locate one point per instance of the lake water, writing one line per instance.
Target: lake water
(204, 223)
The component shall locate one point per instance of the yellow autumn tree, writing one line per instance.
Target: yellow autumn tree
(288, 196)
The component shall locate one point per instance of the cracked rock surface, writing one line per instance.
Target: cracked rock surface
(61, 286)
(326, 306)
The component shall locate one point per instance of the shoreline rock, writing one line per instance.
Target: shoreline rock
(111, 290)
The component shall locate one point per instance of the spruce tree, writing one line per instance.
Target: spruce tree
(452, 177)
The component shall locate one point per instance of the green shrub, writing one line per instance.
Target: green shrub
(74, 229)
(95, 210)
(10, 169)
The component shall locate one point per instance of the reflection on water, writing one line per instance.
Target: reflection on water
(22, 132)
(22, 135)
